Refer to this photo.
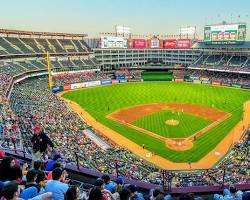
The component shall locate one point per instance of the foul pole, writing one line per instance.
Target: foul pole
(49, 71)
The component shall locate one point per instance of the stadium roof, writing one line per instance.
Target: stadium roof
(18, 32)
(203, 45)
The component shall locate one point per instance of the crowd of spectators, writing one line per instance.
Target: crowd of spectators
(128, 74)
(45, 181)
(33, 106)
(223, 77)
(79, 78)
(9, 133)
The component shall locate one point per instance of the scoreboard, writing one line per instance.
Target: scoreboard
(228, 33)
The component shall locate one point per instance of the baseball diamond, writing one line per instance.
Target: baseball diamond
(120, 107)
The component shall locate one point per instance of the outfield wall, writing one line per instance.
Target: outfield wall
(195, 80)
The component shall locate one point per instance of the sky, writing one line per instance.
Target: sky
(142, 16)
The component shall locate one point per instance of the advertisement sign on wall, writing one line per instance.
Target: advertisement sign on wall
(92, 83)
(77, 85)
(184, 43)
(236, 85)
(155, 43)
(197, 81)
(169, 44)
(66, 87)
(113, 42)
(206, 82)
(123, 81)
(115, 81)
(139, 43)
(179, 80)
(106, 82)
(246, 86)
(216, 83)
(226, 84)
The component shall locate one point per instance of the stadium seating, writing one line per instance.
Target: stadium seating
(21, 46)
(32, 44)
(16, 45)
(213, 60)
(8, 46)
(32, 103)
(237, 61)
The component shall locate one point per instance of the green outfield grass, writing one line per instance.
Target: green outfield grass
(156, 122)
(100, 101)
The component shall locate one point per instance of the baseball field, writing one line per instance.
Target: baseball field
(180, 122)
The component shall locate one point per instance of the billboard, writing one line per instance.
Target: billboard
(66, 87)
(169, 44)
(183, 43)
(191, 30)
(228, 33)
(122, 30)
(92, 83)
(155, 43)
(106, 82)
(113, 42)
(77, 85)
(139, 43)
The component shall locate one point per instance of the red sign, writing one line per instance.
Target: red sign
(215, 83)
(169, 44)
(115, 81)
(184, 43)
(139, 43)
(66, 87)
(130, 43)
(148, 43)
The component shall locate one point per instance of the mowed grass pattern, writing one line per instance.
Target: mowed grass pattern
(156, 122)
(100, 101)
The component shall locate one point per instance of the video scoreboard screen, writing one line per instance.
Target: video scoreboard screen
(225, 34)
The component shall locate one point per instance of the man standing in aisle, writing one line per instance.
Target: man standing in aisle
(40, 143)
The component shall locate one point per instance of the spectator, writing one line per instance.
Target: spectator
(51, 162)
(160, 197)
(109, 185)
(31, 179)
(15, 174)
(37, 165)
(134, 194)
(73, 193)
(5, 168)
(246, 195)
(185, 196)
(40, 143)
(106, 194)
(95, 194)
(10, 191)
(119, 184)
(124, 194)
(56, 186)
(41, 181)
(31, 188)
(232, 193)
(56, 165)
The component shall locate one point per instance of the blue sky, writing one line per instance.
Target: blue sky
(143, 16)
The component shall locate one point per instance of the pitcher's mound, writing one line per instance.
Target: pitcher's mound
(172, 122)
